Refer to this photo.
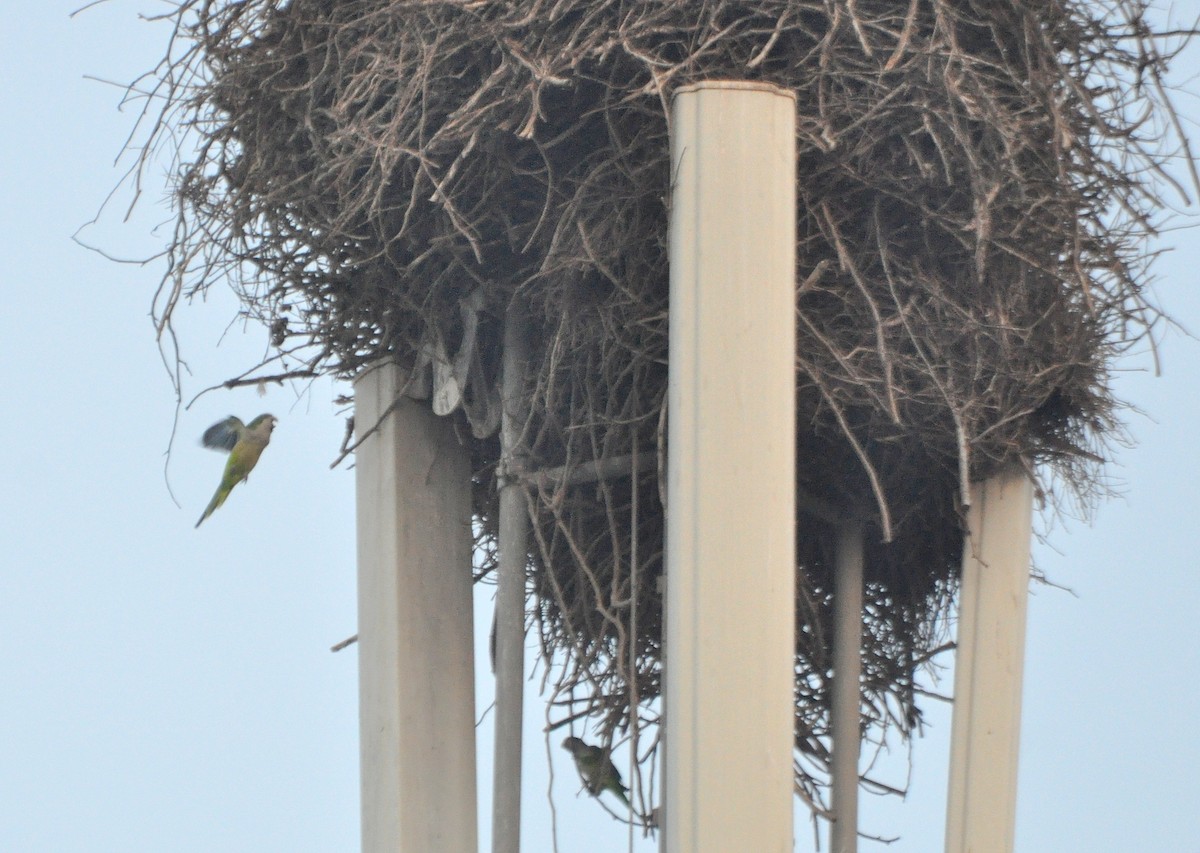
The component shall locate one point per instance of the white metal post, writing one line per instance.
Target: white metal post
(731, 470)
(415, 650)
(989, 663)
(847, 670)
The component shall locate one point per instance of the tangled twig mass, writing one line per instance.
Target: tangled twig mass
(382, 179)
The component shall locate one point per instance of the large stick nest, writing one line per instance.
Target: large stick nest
(382, 179)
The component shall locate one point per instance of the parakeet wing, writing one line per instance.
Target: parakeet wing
(223, 435)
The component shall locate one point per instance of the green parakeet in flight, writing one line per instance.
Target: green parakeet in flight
(598, 772)
(245, 444)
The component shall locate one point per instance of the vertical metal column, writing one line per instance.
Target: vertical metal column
(415, 650)
(731, 470)
(989, 664)
(847, 670)
(510, 598)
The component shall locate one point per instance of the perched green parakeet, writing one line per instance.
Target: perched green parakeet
(598, 772)
(245, 443)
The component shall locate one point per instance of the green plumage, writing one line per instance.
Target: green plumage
(597, 770)
(245, 444)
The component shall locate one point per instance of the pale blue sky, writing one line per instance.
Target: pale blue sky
(171, 689)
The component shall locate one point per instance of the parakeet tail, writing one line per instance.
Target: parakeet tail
(218, 499)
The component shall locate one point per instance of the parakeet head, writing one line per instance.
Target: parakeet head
(263, 423)
(573, 745)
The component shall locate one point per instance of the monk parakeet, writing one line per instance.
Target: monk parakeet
(245, 444)
(598, 772)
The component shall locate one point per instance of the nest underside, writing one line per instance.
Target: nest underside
(976, 183)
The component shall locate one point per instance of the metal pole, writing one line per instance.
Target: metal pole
(989, 663)
(847, 670)
(415, 653)
(510, 597)
(731, 470)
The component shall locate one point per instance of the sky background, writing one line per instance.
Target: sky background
(164, 688)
